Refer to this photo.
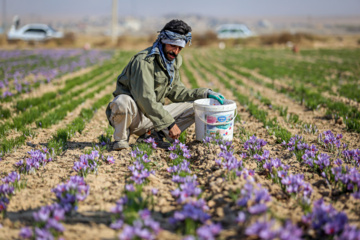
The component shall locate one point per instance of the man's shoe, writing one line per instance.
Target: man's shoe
(143, 137)
(159, 139)
(119, 145)
(157, 136)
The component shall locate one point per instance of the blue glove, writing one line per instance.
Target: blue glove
(217, 96)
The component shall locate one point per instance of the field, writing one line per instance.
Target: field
(291, 171)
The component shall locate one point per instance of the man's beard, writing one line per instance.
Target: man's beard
(171, 53)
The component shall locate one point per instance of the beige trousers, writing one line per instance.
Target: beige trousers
(127, 119)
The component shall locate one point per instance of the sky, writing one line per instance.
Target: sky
(155, 8)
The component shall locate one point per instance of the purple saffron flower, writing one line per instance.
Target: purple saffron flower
(257, 209)
(26, 232)
(208, 232)
(261, 229)
(173, 156)
(290, 232)
(117, 225)
(11, 178)
(43, 234)
(241, 217)
(154, 191)
(130, 187)
(110, 160)
(54, 224)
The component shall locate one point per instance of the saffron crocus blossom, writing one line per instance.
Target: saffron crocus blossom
(325, 220)
(87, 163)
(26, 232)
(6, 191)
(70, 193)
(208, 232)
(231, 164)
(290, 232)
(183, 167)
(47, 223)
(254, 145)
(266, 230)
(143, 228)
(352, 156)
(186, 191)
(11, 178)
(349, 233)
(262, 229)
(241, 217)
(179, 149)
(193, 210)
(154, 191)
(152, 142)
(37, 159)
(253, 198)
(110, 160)
(346, 178)
(328, 140)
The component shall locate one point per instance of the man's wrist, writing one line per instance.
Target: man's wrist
(171, 125)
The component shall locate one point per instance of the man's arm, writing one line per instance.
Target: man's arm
(142, 90)
(179, 93)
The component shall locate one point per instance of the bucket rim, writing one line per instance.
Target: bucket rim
(231, 105)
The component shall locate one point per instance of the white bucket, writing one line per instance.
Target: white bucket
(211, 118)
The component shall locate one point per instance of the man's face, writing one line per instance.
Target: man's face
(171, 51)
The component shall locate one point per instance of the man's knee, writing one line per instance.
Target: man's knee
(122, 107)
(121, 103)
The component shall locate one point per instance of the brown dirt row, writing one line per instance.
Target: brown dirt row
(14, 133)
(54, 85)
(285, 82)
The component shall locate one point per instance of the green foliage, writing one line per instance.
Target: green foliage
(189, 75)
(4, 113)
(106, 137)
(183, 137)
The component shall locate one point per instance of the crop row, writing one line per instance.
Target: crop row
(320, 73)
(21, 76)
(310, 98)
(62, 106)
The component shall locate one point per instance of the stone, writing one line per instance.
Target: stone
(339, 121)
(211, 203)
(220, 212)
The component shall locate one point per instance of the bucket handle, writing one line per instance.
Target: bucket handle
(215, 124)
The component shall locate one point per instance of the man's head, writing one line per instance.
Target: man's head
(173, 46)
(177, 26)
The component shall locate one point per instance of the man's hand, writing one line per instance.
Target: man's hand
(214, 95)
(175, 132)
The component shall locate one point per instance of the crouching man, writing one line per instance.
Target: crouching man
(151, 76)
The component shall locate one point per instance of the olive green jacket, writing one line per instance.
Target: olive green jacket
(146, 80)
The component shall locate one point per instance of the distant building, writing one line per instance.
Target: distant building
(233, 31)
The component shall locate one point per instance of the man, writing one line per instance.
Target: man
(151, 76)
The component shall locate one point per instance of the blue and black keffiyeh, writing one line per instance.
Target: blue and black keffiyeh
(157, 48)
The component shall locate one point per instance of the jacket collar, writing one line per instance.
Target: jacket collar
(150, 58)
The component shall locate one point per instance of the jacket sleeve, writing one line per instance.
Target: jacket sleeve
(142, 90)
(179, 93)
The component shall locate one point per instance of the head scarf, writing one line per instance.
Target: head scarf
(166, 37)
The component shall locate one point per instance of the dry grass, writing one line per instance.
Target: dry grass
(208, 39)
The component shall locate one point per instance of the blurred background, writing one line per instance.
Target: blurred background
(134, 24)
